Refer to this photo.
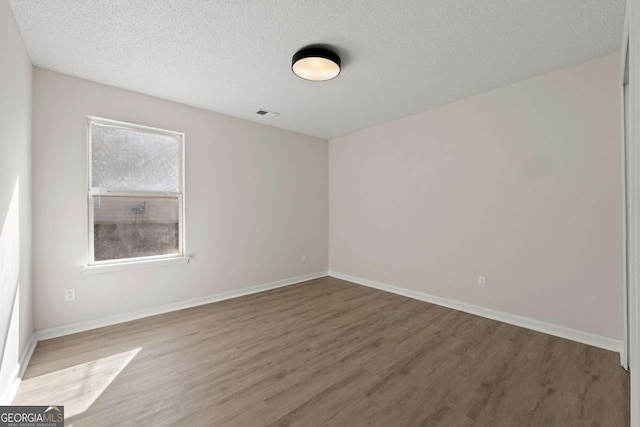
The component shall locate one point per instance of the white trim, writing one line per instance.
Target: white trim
(536, 325)
(133, 265)
(9, 393)
(513, 319)
(624, 353)
(132, 193)
(91, 120)
(633, 15)
(132, 126)
(126, 317)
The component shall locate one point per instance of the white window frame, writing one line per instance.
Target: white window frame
(95, 191)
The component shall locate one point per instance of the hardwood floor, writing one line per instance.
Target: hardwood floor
(325, 352)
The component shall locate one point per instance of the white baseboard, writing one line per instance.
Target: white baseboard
(7, 395)
(513, 319)
(16, 378)
(74, 328)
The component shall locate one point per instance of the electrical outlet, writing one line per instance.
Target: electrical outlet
(482, 281)
(304, 259)
(69, 294)
(389, 266)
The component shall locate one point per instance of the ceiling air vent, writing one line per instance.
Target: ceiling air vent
(267, 113)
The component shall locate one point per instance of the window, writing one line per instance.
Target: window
(136, 184)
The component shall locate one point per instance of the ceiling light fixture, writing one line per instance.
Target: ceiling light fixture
(316, 63)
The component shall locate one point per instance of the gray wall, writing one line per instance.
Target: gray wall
(521, 185)
(16, 325)
(256, 200)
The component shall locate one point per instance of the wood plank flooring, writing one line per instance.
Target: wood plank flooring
(325, 353)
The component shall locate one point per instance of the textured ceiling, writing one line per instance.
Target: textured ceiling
(234, 56)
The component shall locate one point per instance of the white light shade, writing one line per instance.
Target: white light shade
(316, 64)
(316, 69)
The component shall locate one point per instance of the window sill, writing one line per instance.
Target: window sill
(133, 265)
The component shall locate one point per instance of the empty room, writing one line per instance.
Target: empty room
(329, 213)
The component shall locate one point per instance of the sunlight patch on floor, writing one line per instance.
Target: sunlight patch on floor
(76, 387)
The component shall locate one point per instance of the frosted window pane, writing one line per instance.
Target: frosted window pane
(129, 227)
(134, 159)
